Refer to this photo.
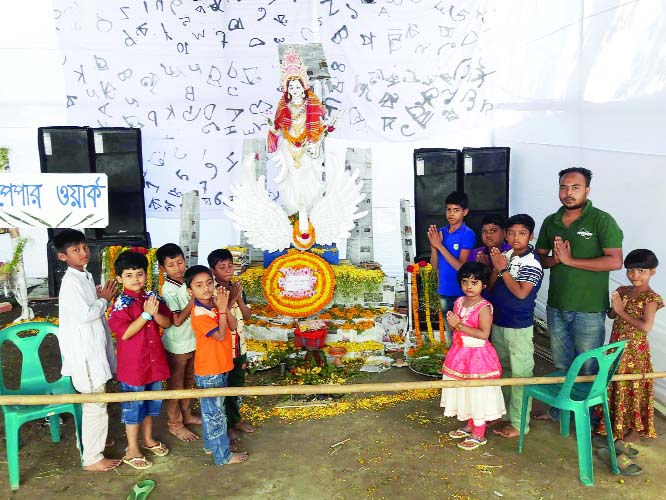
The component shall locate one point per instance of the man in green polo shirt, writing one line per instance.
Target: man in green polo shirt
(580, 244)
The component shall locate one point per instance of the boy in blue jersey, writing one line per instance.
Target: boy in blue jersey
(450, 247)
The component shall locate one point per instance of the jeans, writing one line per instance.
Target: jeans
(572, 333)
(134, 412)
(446, 301)
(214, 420)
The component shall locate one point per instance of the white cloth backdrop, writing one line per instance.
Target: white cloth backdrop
(197, 77)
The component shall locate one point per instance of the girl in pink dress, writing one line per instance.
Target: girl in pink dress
(472, 357)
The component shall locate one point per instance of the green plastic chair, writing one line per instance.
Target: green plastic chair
(579, 398)
(33, 381)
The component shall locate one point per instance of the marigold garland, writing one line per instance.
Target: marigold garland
(299, 307)
(442, 329)
(349, 280)
(415, 305)
(426, 273)
(305, 240)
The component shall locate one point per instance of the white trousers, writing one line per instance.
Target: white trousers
(95, 429)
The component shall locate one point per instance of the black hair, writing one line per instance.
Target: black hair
(457, 198)
(170, 250)
(474, 270)
(577, 170)
(191, 272)
(221, 254)
(497, 219)
(68, 238)
(130, 260)
(641, 258)
(523, 220)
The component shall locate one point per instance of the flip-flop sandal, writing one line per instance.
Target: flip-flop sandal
(138, 463)
(624, 463)
(459, 434)
(620, 446)
(626, 449)
(141, 490)
(472, 443)
(159, 450)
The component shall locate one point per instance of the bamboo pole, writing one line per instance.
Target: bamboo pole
(272, 390)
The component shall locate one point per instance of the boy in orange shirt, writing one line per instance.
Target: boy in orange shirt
(213, 360)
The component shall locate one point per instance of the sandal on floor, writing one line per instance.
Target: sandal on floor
(472, 443)
(138, 463)
(141, 490)
(159, 450)
(624, 463)
(461, 433)
(626, 449)
(620, 446)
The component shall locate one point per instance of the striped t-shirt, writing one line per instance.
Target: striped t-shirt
(510, 311)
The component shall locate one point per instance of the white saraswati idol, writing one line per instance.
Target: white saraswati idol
(325, 211)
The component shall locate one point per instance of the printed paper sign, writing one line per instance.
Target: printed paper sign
(54, 200)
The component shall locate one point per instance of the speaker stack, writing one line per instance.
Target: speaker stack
(482, 173)
(116, 152)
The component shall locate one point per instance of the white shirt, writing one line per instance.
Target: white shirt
(84, 335)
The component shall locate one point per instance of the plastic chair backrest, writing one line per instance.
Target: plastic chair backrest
(607, 356)
(33, 380)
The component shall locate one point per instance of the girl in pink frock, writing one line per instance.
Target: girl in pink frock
(472, 357)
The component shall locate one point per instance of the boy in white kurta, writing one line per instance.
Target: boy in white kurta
(85, 343)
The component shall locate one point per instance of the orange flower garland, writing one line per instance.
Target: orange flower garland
(415, 304)
(306, 266)
(426, 272)
(442, 329)
(303, 241)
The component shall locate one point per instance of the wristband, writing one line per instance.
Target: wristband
(457, 327)
(146, 316)
(500, 273)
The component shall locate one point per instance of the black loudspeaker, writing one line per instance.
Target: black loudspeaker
(57, 268)
(117, 153)
(485, 179)
(436, 175)
(65, 150)
(114, 151)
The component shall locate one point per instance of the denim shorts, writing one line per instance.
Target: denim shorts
(133, 412)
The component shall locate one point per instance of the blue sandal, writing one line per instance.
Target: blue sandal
(141, 490)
